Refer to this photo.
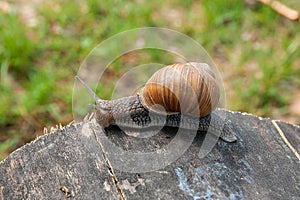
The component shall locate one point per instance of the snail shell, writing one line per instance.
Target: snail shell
(189, 88)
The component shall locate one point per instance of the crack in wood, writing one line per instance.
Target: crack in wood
(1, 192)
(282, 135)
(109, 166)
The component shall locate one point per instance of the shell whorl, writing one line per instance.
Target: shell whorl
(189, 88)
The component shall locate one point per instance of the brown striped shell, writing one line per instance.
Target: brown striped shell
(189, 88)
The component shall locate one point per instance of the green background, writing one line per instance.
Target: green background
(42, 44)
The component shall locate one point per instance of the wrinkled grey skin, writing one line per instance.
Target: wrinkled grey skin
(129, 112)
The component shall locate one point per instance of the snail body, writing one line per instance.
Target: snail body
(178, 95)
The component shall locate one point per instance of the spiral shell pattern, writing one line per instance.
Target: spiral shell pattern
(189, 88)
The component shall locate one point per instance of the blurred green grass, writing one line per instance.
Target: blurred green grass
(257, 50)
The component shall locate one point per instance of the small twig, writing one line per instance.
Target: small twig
(282, 9)
(285, 139)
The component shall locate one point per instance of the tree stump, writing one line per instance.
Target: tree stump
(74, 163)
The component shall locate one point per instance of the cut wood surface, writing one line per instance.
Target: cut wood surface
(75, 163)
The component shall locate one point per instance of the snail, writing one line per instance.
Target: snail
(179, 95)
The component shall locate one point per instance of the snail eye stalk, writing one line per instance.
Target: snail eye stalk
(97, 99)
